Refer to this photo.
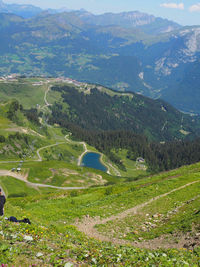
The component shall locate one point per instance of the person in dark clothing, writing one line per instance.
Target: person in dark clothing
(2, 202)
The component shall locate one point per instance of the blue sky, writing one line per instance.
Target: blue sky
(185, 12)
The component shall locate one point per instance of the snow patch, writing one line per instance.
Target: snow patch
(141, 75)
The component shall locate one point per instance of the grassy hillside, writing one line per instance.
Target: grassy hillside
(168, 209)
(44, 153)
(22, 90)
(83, 216)
(57, 101)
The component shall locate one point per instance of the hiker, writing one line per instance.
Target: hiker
(2, 202)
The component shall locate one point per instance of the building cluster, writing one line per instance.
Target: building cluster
(14, 77)
(11, 77)
(68, 80)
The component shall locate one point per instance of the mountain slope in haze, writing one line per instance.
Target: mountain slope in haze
(25, 11)
(152, 25)
(62, 44)
(171, 69)
(133, 19)
(123, 58)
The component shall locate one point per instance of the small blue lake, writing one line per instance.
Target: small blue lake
(92, 160)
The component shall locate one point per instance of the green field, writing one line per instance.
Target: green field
(134, 169)
(16, 188)
(23, 92)
(55, 228)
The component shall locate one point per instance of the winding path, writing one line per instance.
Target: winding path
(80, 143)
(44, 147)
(47, 104)
(110, 166)
(20, 177)
(84, 152)
(87, 225)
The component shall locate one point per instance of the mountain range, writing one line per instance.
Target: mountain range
(25, 11)
(129, 51)
(124, 19)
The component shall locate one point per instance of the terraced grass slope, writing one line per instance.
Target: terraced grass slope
(153, 221)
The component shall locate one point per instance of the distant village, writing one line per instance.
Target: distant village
(14, 77)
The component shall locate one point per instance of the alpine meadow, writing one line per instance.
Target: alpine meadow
(99, 134)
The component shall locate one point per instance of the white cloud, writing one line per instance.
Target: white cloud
(195, 8)
(173, 5)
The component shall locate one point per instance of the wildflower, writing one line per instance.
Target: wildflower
(39, 254)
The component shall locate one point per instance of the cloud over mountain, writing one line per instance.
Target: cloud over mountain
(173, 5)
(195, 8)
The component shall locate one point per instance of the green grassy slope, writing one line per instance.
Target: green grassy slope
(55, 237)
(28, 93)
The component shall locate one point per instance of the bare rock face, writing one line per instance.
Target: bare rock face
(185, 46)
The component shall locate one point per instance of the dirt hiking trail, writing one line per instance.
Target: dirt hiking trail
(23, 178)
(87, 226)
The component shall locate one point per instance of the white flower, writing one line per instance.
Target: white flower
(39, 254)
(68, 264)
(28, 238)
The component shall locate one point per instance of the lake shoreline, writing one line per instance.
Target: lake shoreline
(94, 160)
